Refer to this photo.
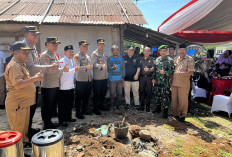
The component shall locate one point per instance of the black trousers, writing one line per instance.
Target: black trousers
(65, 105)
(32, 109)
(99, 93)
(145, 90)
(49, 100)
(82, 93)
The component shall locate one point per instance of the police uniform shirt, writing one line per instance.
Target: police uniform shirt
(149, 63)
(186, 64)
(131, 66)
(51, 78)
(67, 78)
(98, 59)
(82, 60)
(18, 97)
(33, 64)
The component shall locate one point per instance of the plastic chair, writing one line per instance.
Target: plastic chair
(222, 103)
(218, 88)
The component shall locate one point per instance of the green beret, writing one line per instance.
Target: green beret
(163, 47)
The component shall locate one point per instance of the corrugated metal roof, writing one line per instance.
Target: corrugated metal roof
(148, 37)
(72, 11)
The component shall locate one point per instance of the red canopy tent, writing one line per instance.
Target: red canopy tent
(204, 21)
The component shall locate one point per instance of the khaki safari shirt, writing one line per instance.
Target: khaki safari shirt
(18, 98)
(183, 65)
(82, 60)
(51, 78)
(98, 59)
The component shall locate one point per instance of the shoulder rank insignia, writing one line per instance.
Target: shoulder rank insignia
(75, 58)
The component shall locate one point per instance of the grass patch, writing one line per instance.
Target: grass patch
(166, 126)
(197, 151)
(178, 150)
(224, 153)
(200, 116)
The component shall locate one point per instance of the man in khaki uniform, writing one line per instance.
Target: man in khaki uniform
(184, 67)
(31, 37)
(21, 89)
(100, 75)
(51, 82)
(83, 80)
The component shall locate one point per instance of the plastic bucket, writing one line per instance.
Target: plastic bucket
(121, 131)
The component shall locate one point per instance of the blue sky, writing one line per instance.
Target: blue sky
(156, 11)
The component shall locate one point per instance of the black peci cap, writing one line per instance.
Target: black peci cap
(68, 47)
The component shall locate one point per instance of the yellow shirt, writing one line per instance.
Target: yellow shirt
(18, 98)
(186, 64)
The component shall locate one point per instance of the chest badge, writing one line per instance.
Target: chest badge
(75, 58)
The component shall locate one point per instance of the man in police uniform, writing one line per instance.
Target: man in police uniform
(21, 89)
(164, 68)
(83, 80)
(51, 82)
(99, 60)
(31, 37)
(66, 93)
(184, 67)
(145, 81)
(132, 70)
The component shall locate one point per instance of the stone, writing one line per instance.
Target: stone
(138, 145)
(145, 135)
(79, 148)
(80, 154)
(134, 131)
(145, 154)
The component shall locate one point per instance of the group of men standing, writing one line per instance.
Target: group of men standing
(70, 81)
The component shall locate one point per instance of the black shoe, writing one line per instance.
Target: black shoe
(87, 113)
(51, 126)
(64, 124)
(104, 108)
(140, 108)
(32, 132)
(148, 108)
(182, 119)
(71, 120)
(127, 107)
(176, 118)
(80, 116)
(118, 107)
(97, 112)
(157, 110)
(165, 113)
(27, 145)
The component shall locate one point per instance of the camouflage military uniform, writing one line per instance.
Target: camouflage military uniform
(162, 86)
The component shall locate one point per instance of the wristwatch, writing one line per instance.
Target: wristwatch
(180, 73)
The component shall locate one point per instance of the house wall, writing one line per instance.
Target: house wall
(68, 34)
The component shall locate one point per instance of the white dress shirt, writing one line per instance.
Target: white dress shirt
(67, 78)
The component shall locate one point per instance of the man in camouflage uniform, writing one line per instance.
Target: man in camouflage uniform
(164, 67)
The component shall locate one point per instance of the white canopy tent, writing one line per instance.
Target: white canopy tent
(207, 21)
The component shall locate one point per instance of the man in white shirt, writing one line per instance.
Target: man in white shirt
(2, 80)
(66, 93)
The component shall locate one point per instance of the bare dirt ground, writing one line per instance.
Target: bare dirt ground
(199, 136)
